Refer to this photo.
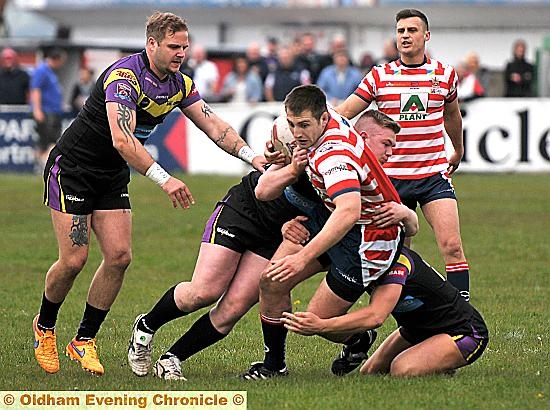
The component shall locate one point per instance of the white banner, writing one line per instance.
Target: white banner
(500, 135)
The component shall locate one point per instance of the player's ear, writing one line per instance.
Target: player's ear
(427, 36)
(324, 118)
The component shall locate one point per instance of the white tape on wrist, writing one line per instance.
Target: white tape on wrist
(246, 154)
(157, 174)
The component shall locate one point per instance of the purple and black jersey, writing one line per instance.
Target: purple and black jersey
(129, 82)
(428, 303)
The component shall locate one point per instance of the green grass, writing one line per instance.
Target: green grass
(505, 222)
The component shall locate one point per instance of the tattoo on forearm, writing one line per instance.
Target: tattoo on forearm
(124, 120)
(79, 230)
(206, 110)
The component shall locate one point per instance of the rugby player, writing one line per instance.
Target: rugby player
(240, 237)
(352, 184)
(420, 94)
(438, 331)
(87, 174)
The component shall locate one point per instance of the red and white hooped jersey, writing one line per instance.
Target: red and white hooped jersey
(340, 162)
(414, 96)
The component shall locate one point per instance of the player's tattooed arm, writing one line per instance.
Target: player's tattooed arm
(221, 141)
(79, 230)
(125, 117)
(206, 110)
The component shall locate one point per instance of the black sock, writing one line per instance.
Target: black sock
(458, 275)
(48, 313)
(91, 321)
(163, 312)
(201, 335)
(274, 343)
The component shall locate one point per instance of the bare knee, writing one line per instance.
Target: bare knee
(119, 259)
(452, 248)
(72, 264)
(189, 298)
(404, 368)
(225, 317)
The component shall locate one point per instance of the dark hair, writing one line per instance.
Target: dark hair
(381, 119)
(160, 24)
(55, 53)
(306, 98)
(408, 13)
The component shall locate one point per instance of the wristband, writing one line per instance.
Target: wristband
(157, 174)
(246, 154)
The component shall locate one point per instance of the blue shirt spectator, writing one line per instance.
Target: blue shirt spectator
(45, 80)
(340, 79)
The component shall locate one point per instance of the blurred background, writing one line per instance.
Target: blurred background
(505, 127)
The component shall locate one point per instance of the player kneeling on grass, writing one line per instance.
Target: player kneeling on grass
(438, 330)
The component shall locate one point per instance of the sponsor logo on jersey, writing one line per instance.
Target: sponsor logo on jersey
(223, 231)
(414, 107)
(408, 304)
(337, 168)
(123, 91)
(73, 198)
(128, 75)
(125, 195)
(398, 271)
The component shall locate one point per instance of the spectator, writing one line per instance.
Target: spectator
(14, 82)
(519, 74)
(272, 49)
(47, 103)
(256, 61)
(389, 52)
(308, 58)
(468, 86)
(81, 90)
(242, 84)
(287, 76)
(340, 79)
(206, 74)
(473, 65)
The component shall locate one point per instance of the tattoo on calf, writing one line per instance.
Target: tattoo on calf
(124, 120)
(79, 230)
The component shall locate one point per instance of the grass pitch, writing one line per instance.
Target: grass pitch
(505, 222)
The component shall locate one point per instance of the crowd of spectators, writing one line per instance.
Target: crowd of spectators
(263, 72)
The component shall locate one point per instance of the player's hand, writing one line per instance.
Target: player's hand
(178, 192)
(389, 213)
(299, 160)
(454, 162)
(285, 268)
(274, 156)
(258, 163)
(295, 231)
(303, 323)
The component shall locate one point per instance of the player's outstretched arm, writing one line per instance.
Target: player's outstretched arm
(223, 135)
(122, 122)
(382, 302)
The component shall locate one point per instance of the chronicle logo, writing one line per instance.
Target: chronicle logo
(223, 231)
(73, 198)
